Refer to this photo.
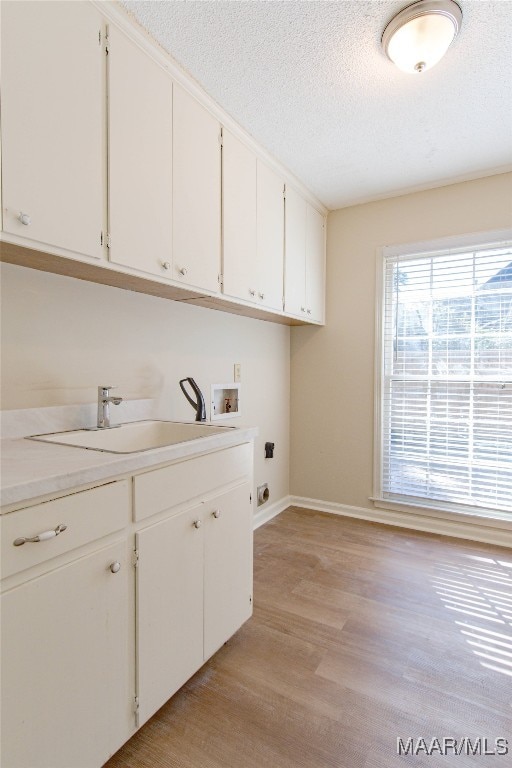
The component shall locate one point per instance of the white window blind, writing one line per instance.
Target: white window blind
(446, 410)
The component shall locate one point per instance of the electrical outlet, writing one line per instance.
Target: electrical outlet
(237, 375)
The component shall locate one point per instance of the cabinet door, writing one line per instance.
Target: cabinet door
(196, 193)
(169, 608)
(240, 271)
(227, 566)
(140, 158)
(295, 254)
(53, 65)
(67, 698)
(315, 265)
(270, 237)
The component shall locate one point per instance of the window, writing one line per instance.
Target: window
(445, 412)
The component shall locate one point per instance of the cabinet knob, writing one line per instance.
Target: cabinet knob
(166, 264)
(25, 219)
(309, 311)
(252, 292)
(115, 567)
(261, 295)
(216, 513)
(303, 309)
(197, 523)
(183, 271)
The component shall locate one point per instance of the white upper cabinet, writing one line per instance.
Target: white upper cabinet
(196, 194)
(304, 259)
(53, 124)
(140, 158)
(295, 253)
(106, 154)
(253, 226)
(164, 172)
(240, 274)
(270, 236)
(315, 265)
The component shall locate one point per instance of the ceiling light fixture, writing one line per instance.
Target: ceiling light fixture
(419, 36)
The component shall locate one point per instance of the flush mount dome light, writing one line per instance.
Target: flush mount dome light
(419, 36)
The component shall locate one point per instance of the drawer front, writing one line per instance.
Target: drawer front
(87, 515)
(165, 488)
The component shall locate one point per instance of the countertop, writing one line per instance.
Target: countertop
(32, 469)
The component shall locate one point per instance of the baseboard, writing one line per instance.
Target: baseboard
(267, 511)
(418, 522)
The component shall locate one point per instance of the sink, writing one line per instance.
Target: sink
(133, 437)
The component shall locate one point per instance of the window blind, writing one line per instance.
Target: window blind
(446, 410)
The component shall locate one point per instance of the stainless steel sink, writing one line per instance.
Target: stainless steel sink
(133, 437)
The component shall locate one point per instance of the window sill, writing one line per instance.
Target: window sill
(470, 515)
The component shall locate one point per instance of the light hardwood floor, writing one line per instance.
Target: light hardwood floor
(361, 634)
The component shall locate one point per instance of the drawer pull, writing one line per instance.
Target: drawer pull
(197, 523)
(216, 513)
(115, 567)
(40, 536)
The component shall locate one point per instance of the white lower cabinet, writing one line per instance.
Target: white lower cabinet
(102, 623)
(67, 692)
(227, 567)
(194, 590)
(169, 608)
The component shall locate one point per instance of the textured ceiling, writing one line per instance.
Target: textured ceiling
(308, 80)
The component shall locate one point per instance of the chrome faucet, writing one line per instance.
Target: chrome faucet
(104, 400)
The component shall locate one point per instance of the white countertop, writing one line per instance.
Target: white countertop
(31, 469)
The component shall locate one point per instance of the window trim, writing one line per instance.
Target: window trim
(451, 244)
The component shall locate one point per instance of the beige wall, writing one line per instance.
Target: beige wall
(62, 337)
(332, 368)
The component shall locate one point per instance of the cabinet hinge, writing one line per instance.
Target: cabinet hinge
(136, 710)
(99, 37)
(135, 558)
(250, 498)
(221, 138)
(284, 191)
(220, 280)
(109, 241)
(101, 238)
(250, 599)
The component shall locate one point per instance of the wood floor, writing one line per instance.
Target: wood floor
(361, 634)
